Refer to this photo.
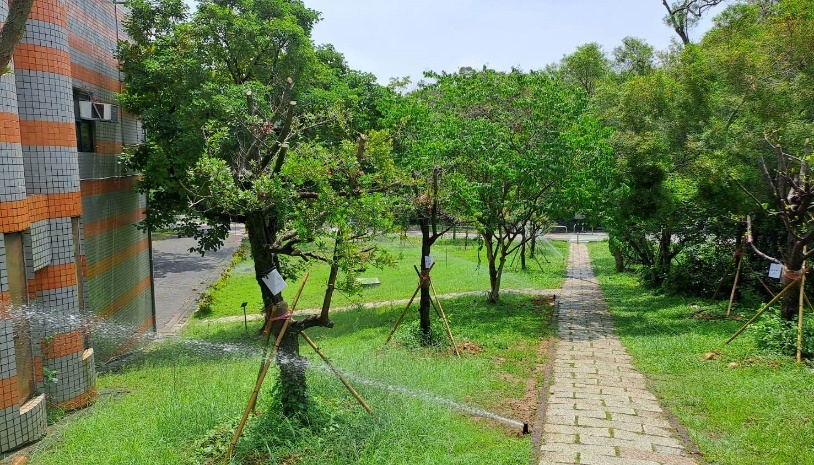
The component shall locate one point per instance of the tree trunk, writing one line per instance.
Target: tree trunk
(618, 258)
(332, 276)
(664, 257)
(523, 252)
(533, 244)
(12, 31)
(793, 263)
(293, 387)
(495, 268)
(424, 301)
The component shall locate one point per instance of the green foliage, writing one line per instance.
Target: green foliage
(699, 269)
(411, 336)
(779, 337)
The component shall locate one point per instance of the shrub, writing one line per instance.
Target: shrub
(778, 336)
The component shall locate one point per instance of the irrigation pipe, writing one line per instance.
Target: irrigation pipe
(336, 372)
(264, 370)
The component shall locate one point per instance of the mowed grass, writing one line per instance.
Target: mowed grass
(164, 407)
(758, 411)
(457, 269)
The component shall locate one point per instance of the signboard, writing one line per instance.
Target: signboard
(775, 270)
(274, 281)
(428, 261)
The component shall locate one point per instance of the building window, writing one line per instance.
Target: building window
(85, 127)
(84, 136)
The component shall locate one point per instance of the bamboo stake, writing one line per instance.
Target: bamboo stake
(721, 282)
(760, 280)
(444, 319)
(800, 312)
(269, 322)
(398, 321)
(410, 302)
(336, 372)
(734, 286)
(264, 370)
(752, 320)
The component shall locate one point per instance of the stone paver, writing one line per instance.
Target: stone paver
(598, 409)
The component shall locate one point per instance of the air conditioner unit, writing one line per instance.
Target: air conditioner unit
(98, 111)
(86, 109)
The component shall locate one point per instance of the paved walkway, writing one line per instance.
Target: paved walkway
(181, 276)
(598, 409)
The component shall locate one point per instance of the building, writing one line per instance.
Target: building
(75, 274)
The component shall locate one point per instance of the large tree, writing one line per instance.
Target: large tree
(242, 126)
(525, 149)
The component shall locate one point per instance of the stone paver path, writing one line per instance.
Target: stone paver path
(598, 409)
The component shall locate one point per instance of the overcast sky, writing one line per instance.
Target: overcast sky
(396, 38)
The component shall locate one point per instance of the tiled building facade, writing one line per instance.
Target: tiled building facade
(75, 275)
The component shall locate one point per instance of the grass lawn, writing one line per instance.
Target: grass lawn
(180, 402)
(456, 270)
(757, 412)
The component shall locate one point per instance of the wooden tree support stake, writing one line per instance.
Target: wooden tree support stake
(336, 372)
(407, 307)
(765, 307)
(734, 286)
(800, 312)
(264, 369)
(444, 319)
(721, 282)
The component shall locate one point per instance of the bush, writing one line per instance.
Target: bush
(699, 268)
(410, 336)
(778, 336)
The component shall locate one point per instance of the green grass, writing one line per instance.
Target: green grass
(759, 412)
(181, 392)
(456, 270)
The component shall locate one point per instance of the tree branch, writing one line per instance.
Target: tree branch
(13, 30)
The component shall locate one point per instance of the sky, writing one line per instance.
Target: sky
(397, 38)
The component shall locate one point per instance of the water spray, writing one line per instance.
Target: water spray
(524, 427)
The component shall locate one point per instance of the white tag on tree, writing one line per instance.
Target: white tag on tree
(428, 261)
(775, 270)
(274, 281)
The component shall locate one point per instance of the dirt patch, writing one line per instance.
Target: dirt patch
(543, 303)
(467, 347)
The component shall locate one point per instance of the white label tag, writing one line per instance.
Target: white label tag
(275, 282)
(428, 261)
(775, 270)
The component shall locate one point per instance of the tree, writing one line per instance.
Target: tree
(425, 150)
(762, 54)
(12, 31)
(683, 15)
(634, 57)
(227, 140)
(587, 67)
(524, 149)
